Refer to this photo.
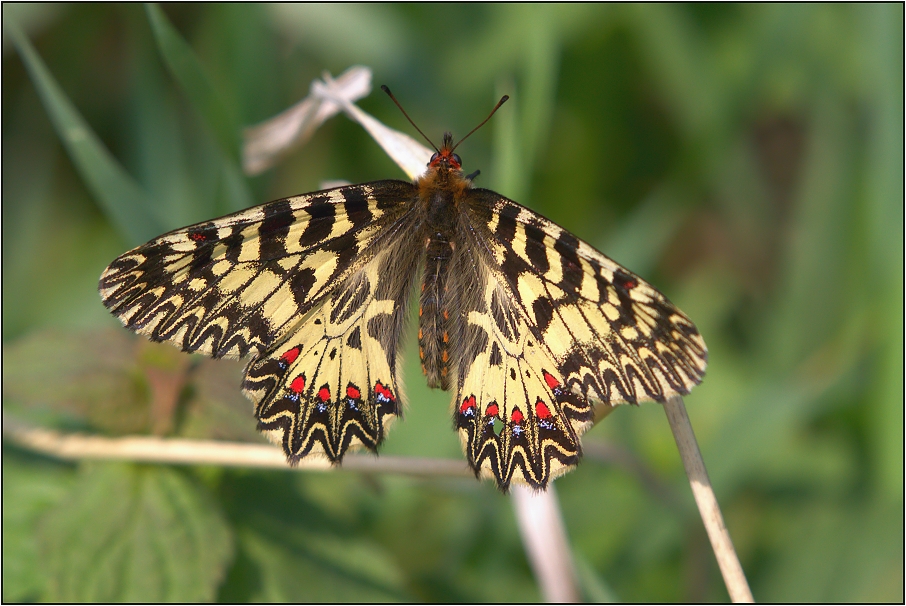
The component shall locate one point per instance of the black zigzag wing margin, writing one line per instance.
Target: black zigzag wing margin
(332, 382)
(236, 285)
(614, 336)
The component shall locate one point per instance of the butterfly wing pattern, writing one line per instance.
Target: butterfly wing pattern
(294, 283)
(528, 325)
(568, 328)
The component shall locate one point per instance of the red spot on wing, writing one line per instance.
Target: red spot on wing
(353, 392)
(324, 394)
(492, 410)
(298, 384)
(542, 410)
(383, 392)
(290, 356)
(551, 381)
(198, 236)
(624, 281)
(467, 404)
(517, 416)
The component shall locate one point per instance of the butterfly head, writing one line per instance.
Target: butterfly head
(444, 157)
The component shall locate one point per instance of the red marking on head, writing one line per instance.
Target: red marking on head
(352, 392)
(542, 410)
(298, 384)
(467, 404)
(324, 394)
(446, 156)
(517, 416)
(492, 410)
(290, 356)
(552, 382)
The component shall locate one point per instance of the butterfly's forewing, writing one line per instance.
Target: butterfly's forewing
(292, 282)
(234, 285)
(577, 326)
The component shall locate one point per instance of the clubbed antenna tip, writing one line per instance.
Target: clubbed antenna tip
(389, 94)
(503, 100)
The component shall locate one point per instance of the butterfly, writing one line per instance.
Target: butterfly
(527, 325)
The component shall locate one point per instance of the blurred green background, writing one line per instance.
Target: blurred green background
(747, 160)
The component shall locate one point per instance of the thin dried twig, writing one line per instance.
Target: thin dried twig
(727, 560)
(538, 513)
(546, 544)
(176, 451)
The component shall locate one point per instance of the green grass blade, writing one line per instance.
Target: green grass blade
(194, 81)
(124, 202)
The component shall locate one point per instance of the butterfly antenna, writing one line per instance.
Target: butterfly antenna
(387, 90)
(503, 100)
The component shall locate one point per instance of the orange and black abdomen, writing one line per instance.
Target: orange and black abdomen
(434, 313)
(435, 300)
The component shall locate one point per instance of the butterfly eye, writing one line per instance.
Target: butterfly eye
(457, 159)
(433, 158)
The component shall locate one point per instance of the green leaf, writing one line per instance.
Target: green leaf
(131, 533)
(121, 198)
(29, 490)
(96, 381)
(343, 35)
(838, 554)
(104, 381)
(681, 64)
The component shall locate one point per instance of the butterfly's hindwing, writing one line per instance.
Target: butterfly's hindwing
(515, 419)
(331, 383)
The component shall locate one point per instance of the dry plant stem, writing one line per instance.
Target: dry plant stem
(175, 451)
(538, 513)
(265, 143)
(544, 537)
(727, 560)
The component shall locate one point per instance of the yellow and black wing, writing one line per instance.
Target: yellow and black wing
(558, 326)
(314, 287)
